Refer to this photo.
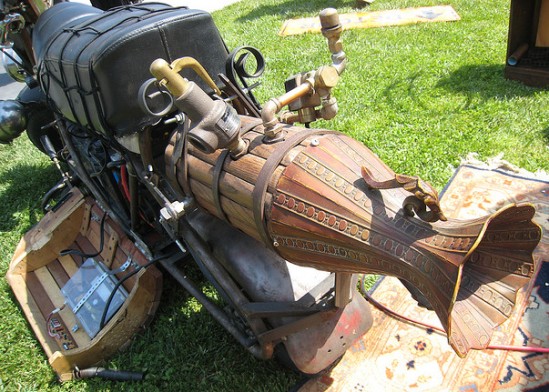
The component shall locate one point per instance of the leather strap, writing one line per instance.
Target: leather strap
(171, 169)
(218, 169)
(184, 147)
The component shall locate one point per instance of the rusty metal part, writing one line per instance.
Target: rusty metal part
(298, 302)
(224, 283)
(217, 314)
(307, 199)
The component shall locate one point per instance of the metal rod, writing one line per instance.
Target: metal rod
(213, 309)
(134, 199)
(201, 254)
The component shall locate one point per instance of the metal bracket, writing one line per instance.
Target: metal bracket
(97, 282)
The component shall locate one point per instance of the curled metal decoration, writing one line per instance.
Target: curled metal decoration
(235, 68)
(146, 94)
(424, 195)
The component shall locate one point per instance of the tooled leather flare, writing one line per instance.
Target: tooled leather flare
(323, 200)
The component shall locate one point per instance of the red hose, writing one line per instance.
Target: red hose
(124, 181)
(390, 312)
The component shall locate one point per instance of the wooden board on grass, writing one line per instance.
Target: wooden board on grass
(365, 20)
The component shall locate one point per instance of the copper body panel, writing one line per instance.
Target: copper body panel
(306, 198)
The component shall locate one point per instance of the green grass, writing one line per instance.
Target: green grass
(422, 97)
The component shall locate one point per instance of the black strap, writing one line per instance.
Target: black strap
(218, 169)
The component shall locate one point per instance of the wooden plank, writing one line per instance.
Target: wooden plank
(85, 246)
(40, 296)
(33, 312)
(204, 197)
(58, 273)
(46, 306)
(69, 264)
(110, 238)
(233, 209)
(238, 188)
(54, 293)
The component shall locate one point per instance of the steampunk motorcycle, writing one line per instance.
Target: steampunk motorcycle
(277, 217)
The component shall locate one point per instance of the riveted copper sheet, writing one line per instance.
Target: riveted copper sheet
(305, 197)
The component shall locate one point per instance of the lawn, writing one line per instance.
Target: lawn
(422, 97)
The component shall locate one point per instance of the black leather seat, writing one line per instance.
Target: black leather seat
(92, 62)
(57, 18)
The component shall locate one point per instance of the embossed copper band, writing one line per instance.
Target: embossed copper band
(258, 194)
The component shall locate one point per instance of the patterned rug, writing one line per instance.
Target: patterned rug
(397, 356)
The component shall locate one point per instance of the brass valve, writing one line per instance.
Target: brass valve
(216, 125)
(308, 90)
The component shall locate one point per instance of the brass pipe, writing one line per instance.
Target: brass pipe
(176, 84)
(274, 105)
(189, 62)
(332, 29)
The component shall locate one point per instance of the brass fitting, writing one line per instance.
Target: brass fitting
(315, 85)
(216, 125)
(326, 77)
(176, 84)
(331, 29)
(168, 75)
(274, 105)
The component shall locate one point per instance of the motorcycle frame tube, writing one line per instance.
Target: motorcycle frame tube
(201, 255)
(298, 305)
(216, 313)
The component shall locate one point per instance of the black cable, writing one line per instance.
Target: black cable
(121, 281)
(83, 255)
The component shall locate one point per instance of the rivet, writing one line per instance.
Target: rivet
(315, 142)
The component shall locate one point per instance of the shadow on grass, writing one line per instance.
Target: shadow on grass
(26, 186)
(485, 81)
(467, 88)
(294, 8)
(185, 349)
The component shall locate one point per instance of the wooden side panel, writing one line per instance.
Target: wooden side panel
(542, 37)
(38, 272)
